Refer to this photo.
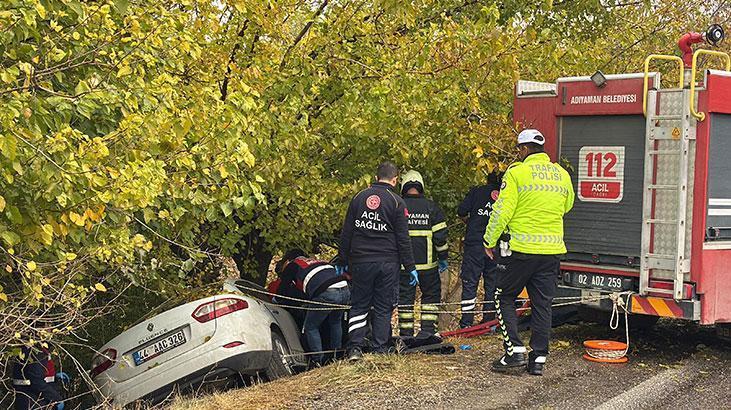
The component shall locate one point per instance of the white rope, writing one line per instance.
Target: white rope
(618, 303)
(333, 306)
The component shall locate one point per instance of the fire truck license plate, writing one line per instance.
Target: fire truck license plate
(163, 345)
(597, 281)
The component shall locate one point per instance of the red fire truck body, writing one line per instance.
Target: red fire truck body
(653, 192)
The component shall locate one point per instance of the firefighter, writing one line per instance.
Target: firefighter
(32, 391)
(319, 282)
(535, 194)
(374, 243)
(428, 231)
(475, 211)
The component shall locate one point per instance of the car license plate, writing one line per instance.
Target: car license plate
(598, 281)
(161, 346)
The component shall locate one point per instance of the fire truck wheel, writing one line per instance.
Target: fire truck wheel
(588, 314)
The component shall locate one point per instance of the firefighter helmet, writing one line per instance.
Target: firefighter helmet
(412, 179)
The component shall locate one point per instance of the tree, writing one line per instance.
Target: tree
(141, 140)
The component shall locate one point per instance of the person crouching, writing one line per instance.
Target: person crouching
(320, 283)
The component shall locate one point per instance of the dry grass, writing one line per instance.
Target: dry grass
(374, 371)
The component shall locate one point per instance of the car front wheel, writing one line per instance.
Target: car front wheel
(280, 364)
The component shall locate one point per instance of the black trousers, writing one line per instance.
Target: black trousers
(537, 273)
(372, 297)
(431, 294)
(476, 265)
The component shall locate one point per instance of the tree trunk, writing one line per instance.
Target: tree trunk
(253, 260)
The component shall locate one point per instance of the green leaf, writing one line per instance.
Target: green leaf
(11, 238)
(121, 6)
(226, 208)
(8, 146)
(14, 215)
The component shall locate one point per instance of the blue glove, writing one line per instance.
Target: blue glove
(340, 269)
(443, 265)
(60, 405)
(63, 377)
(414, 278)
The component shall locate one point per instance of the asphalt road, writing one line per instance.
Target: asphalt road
(673, 365)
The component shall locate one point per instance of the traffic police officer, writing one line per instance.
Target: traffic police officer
(428, 231)
(534, 196)
(374, 243)
(475, 211)
(32, 391)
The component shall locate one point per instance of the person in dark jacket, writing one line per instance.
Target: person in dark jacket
(374, 243)
(428, 231)
(32, 392)
(475, 210)
(319, 282)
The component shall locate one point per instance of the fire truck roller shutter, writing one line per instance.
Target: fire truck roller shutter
(611, 230)
(719, 173)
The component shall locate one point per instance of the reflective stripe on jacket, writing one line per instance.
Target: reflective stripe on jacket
(534, 196)
(428, 232)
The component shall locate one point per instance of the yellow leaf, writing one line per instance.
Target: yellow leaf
(47, 234)
(8, 269)
(124, 70)
(3, 297)
(222, 170)
(76, 218)
(70, 256)
(100, 287)
(76, 35)
(41, 10)
(2, 203)
(31, 266)
(147, 246)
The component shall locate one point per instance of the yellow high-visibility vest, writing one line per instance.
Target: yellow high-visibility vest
(534, 196)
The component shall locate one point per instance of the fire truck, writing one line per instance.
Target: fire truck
(651, 166)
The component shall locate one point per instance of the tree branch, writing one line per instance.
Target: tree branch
(302, 33)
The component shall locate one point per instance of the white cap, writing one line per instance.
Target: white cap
(531, 135)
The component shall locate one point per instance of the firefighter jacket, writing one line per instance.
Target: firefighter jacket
(428, 232)
(534, 196)
(312, 276)
(476, 207)
(376, 229)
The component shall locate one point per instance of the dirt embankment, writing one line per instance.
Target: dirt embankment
(676, 364)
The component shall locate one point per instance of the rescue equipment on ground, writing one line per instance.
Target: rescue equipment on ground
(611, 351)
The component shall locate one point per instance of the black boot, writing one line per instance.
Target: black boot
(508, 362)
(355, 354)
(535, 365)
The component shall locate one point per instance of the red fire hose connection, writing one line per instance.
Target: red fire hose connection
(685, 44)
(713, 36)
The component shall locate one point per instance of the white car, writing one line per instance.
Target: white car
(214, 339)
